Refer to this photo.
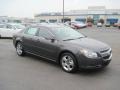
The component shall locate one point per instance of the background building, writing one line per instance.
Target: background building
(6, 19)
(95, 12)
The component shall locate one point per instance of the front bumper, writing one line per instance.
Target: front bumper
(88, 63)
(94, 64)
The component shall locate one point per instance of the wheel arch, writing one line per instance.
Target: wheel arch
(65, 51)
(17, 42)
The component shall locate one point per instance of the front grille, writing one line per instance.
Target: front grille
(106, 54)
(106, 57)
(104, 51)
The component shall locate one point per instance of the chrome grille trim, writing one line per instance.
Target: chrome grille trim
(107, 53)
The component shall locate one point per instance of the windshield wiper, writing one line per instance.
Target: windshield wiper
(73, 39)
(68, 39)
(80, 37)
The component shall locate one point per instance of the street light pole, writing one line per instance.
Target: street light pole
(63, 12)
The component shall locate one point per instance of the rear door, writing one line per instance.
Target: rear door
(29, 39)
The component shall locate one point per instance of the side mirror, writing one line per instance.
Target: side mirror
(52, 40)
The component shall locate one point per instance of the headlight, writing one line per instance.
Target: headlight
(88, 53)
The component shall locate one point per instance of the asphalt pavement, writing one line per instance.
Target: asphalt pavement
(33, 73)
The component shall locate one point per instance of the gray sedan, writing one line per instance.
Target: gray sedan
(63, 45)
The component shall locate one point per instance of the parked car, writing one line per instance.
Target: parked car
(99, 24)
(68, 23)
(78, 25)
(89, 24)
(107, 25)
(118, 25)
(115, 24)
(63, 45)
(7, 30)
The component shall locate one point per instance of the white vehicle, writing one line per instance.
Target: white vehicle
(7, 30)
(99, 24)
(78, 25)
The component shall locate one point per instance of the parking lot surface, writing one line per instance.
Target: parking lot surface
(33, 73)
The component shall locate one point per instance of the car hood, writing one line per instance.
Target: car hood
(80, 24)
(88, 43)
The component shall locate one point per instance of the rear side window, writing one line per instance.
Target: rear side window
(31, 31)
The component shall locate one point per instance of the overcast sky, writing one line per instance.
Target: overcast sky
(27, 8)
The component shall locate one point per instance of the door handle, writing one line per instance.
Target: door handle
(36, 40)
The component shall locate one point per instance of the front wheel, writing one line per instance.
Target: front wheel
(19, 49)
(68, 63)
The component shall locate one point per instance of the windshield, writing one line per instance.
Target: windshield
(66, 33)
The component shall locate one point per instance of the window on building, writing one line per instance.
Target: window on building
(53, 20)
(80, 20)
(41, 21)
(112, 21)
(17, 21)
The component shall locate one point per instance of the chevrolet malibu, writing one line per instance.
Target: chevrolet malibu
(63, 45)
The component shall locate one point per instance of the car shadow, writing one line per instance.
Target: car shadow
(43, 60)
(84, 72)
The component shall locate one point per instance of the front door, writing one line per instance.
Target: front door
(46, 47)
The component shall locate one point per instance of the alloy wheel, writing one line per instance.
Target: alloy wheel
(67, 63)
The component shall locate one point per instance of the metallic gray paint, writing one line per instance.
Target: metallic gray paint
(53, 49)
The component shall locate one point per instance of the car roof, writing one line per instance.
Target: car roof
(49, 25)
(14, 23)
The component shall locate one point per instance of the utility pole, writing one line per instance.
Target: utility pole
(63, 12)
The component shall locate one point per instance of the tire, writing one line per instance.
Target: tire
(19, 49)
(119, 27)
(68, 63)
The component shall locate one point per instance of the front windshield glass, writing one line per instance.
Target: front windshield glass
(66, 33)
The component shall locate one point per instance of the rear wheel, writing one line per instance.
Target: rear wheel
(68, 63)
(119, 27)
(19, 49)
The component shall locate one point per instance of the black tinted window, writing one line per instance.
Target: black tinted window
(31, 31)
